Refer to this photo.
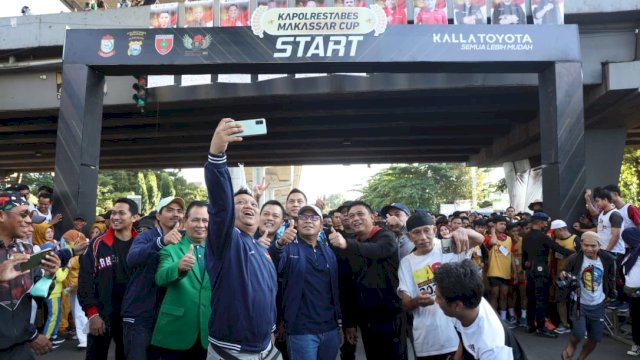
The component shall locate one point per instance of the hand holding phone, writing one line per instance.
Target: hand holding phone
(34, 260)
(252, 127)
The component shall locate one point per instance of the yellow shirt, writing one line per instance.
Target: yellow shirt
(61, 275)
(567, 244)
(500, 258)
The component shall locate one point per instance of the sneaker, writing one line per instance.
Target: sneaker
(513, 322)
(549, 325)
(613, 305)
(522, 322)
(562, 329)
(623, 307)
(81, 346)
(74, 337)
(57, 341)
(546, 333)
(635, 351)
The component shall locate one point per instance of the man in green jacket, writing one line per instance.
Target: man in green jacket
(181, 331)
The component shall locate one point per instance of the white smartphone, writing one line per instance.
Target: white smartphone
(252, 127)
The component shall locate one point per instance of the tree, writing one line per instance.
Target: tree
(419, 186)
(152, 188)
(166, 185)
(188, 191)
(630, 175)
(141, 189)
(333, 201)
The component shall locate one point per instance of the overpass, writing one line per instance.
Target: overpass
(482, 118)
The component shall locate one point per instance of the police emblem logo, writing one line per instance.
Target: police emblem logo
(135, 48)
(164, 44)
(107, 46)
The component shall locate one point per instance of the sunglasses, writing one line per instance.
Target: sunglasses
(23, 214)
(307, 217)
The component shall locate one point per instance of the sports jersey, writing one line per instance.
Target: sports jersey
(500, 258)
(568, 244)
(435, 17)
(606, 221)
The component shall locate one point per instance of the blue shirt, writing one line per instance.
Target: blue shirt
(316, 313)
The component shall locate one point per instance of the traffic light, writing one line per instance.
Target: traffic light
(140, 87)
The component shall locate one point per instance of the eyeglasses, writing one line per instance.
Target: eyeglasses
(307, 217)
(23, 214)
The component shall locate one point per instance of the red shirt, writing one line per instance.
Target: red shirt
(435, 17)
(399, 16)
(229, 22)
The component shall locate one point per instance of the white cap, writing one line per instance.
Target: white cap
(558, 224)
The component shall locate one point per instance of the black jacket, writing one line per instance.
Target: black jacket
(574, 265)
(535, 252)
(97, 273)
(374, 263)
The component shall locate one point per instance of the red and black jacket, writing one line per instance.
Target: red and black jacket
(97, 272)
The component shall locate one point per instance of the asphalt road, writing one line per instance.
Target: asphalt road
(535, 347)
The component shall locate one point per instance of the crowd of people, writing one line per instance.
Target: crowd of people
(225, 278)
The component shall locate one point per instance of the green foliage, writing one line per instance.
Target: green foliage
(121, 183)
(141, 189)
(419, 186)
(630, 175)
(166, 186)
(35, 180)
(152, 188)
(333, 201)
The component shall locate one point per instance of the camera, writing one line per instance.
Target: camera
(570, 282)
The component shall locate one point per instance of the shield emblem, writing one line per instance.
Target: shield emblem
(164, 44)
(107, 46)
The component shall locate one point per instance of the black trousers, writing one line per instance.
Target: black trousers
(537, 298)
(635, 319)
(385, 340)
(197, 352)
(98, 346)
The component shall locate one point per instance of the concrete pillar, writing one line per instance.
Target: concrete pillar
(605, 148)
(562, 140)
(78, 145)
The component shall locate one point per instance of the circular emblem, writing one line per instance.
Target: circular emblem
(540, 268)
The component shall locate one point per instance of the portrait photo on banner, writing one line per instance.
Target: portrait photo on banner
(198, 14)
(396, 11)
(163, 16)
(234, 13)
(469, 12)
(349, 3)
(274, 4)
(508, 12)
(547, 11)
(430, 12)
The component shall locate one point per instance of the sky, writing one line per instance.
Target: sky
(12, 8)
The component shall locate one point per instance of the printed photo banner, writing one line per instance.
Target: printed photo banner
(469, 12)
(197, 14)
(162, 16)
(547, 11)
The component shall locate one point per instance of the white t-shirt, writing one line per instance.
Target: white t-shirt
(632, 279)
(485, 338)
(47, 216)
(433, 331)
(591, 290)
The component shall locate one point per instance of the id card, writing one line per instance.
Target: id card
(504, 250)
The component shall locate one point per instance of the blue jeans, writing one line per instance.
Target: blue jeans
(137, 342)
(322, 346)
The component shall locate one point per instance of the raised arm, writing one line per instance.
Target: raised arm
(220, 190)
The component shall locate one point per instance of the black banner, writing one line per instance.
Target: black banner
(399, 45)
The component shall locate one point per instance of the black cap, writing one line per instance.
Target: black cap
(419, 219)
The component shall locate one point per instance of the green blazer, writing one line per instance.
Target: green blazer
(186, 307)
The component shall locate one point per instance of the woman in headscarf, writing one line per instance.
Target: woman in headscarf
(40, 234)
(631, 269)
(97, 229)
(74, 238)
